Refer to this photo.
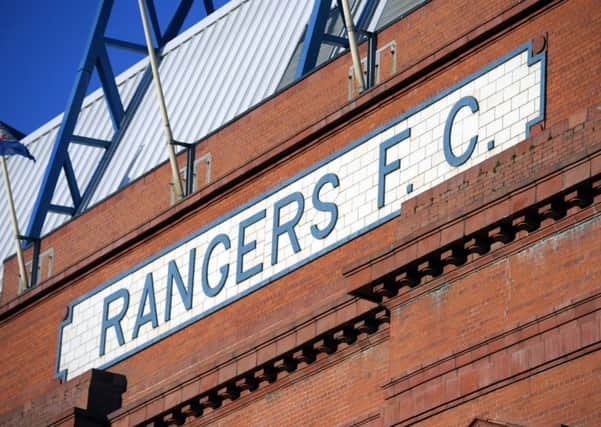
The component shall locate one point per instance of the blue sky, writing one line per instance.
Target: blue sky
(42, 44)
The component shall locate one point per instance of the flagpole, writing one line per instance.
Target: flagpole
(23, 279)
(177, 181)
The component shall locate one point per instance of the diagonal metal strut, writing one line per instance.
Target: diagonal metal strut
(316, 33)
(96, 58)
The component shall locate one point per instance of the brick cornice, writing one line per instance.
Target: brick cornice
(403, 283)
(252, 351)
(305, 351)
(477, 262)
(371, 341)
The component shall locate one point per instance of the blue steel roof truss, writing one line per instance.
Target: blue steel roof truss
(96, 57)
(316, 34)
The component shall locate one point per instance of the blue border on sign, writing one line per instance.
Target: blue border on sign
(532, 59)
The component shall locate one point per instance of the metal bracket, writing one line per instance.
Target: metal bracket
(45, 264)
(191, 178)
(379, 67)
(190, 152)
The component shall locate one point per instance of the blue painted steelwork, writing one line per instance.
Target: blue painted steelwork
(313, 37)
(366, 15)
(96, 57)
(316, 34)
(176, 22)
(209, 6)
(123, 44)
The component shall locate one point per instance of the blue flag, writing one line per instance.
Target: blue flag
(9, 148)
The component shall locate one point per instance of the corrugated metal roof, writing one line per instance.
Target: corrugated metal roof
(208, 78)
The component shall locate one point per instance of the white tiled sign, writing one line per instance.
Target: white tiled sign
(345, 195)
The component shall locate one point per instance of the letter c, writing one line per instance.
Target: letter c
(467, 101)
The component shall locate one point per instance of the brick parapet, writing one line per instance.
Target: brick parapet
(575, 215)
(509, 341)
(570, 175)
(310, 348)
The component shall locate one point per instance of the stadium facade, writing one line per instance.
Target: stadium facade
(422, 252)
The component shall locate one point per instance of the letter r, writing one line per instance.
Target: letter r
(113, 322)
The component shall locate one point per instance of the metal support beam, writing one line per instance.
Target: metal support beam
(154, 21)
(125, 45)
(96, 56)
(90, 142)
(372, 46)
(313, 37)
(64, 210)
(107, 156)
(367, 15)
(23, 279)
(350, 31)
(335, 40)
(35, 258)
(61, 145)
(209, 6)
(71, 180)
(111, 93)
(190, 158)
(190, 154)
(154, 66)
(176, 22)
(316, 34)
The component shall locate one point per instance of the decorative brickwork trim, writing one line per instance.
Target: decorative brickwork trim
(371, 419)
(324, 361)
(490, 238)
(175, 406)
(478, 422)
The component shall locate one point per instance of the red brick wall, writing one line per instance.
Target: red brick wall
(565, 395)
(501, 323)
(305, 118)
(499, 296)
